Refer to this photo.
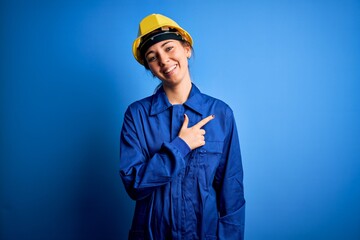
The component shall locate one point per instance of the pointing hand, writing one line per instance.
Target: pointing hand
(194, 136)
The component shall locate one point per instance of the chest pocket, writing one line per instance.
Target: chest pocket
(205, 161)
(210, 153)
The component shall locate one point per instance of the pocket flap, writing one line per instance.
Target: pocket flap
(212, 147)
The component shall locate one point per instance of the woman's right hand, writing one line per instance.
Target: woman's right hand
(194, 136)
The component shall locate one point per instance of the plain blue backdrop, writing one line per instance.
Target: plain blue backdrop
(289, 69)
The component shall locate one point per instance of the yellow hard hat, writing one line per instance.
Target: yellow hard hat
(152, 23)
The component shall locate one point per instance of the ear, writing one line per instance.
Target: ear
(188, 51)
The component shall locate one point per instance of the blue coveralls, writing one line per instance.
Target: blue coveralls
(179, 193)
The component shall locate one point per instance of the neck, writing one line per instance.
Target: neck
(178, 94)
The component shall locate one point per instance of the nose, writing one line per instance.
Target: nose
(163, 58)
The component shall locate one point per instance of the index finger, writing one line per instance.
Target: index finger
(204, 121)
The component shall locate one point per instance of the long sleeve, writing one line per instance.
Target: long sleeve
(140, 172)
(229, 187)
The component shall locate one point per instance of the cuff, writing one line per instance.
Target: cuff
(181, 146)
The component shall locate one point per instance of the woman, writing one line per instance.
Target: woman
(179, 149)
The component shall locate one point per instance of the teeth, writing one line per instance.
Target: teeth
(170, 69)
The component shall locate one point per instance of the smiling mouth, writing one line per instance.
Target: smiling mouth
(170, 69)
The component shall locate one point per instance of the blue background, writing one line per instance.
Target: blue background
(289, 69)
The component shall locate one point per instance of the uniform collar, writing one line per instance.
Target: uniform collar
(160, 101)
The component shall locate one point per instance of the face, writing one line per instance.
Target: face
(168, 60)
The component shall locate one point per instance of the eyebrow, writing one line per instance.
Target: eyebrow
(162, 45)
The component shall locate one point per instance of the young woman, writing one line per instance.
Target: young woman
(179, 149)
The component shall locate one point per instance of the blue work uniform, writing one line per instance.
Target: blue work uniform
(179, 193)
